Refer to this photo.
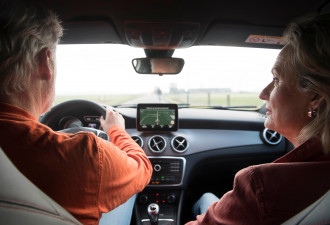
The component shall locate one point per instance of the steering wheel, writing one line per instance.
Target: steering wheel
(68, 108)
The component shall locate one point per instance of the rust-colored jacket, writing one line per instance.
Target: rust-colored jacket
(83, 173)
(274, 192)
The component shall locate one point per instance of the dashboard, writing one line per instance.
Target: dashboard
(201, 153)
(200, 136)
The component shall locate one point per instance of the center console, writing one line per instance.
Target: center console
(160, 202)
(164, 191)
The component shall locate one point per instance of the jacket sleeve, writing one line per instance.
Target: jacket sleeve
(238, 206)
(125, 169)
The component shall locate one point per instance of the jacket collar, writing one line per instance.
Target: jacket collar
(8, 110)
(310, 151)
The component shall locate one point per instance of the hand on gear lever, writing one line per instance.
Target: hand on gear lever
(153, 213)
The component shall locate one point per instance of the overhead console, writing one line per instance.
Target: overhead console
(157, 35)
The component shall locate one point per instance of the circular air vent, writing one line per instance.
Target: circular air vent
(157, 144)
(179, 144)
(138, 140)
(271, 137)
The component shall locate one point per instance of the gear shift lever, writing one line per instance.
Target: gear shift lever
(153, 213)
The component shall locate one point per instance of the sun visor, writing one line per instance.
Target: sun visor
(243, 36)
(90, 32)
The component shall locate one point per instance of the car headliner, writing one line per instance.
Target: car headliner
(226, 23)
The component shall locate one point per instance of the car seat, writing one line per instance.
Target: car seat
(317, 213)
(21, 202)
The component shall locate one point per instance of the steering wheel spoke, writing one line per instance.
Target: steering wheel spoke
(98, 133)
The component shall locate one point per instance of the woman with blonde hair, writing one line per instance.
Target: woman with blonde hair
(298, 105)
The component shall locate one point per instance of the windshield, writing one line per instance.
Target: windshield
(211, 76)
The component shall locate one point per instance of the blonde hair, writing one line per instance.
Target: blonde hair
(25, 31)
(309, 40)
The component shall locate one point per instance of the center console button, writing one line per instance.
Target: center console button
(157, 167)
(171, 198)
(143, 199)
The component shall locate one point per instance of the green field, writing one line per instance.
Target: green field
(194, 99)
(103, 99)
(212, 99)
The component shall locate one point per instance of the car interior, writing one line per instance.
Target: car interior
(193, 148)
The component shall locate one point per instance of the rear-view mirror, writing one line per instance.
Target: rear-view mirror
(158, 65)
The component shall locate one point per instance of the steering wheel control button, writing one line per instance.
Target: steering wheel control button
(157, 167)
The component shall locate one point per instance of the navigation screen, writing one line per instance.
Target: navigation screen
(157, 117)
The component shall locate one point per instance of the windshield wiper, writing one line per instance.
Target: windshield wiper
(233, 107)
(219, 107)
(135, 105)
(183, 105)
(124, 106)
(187, 105)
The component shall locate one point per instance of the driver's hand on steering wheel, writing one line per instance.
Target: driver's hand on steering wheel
(112, 119)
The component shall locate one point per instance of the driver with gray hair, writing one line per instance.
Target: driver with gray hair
(85, 174)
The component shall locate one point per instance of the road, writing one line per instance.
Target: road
(151, 98)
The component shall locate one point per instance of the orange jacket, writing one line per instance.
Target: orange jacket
(83, 173)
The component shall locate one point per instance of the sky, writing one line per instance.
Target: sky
(107, 69)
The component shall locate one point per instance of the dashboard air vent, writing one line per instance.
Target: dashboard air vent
(138, 140)
(271, 137)
(157, 144)
(179, 144)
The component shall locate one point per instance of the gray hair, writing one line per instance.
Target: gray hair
(309, 39)
(24, 31)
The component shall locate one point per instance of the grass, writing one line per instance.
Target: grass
(195, 99)
(223, 99)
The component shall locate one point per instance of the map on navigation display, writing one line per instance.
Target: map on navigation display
(159, 117)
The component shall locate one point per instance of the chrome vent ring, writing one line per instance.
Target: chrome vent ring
(138, 140)
(179, 144)
(271, 137)
(157, 144)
